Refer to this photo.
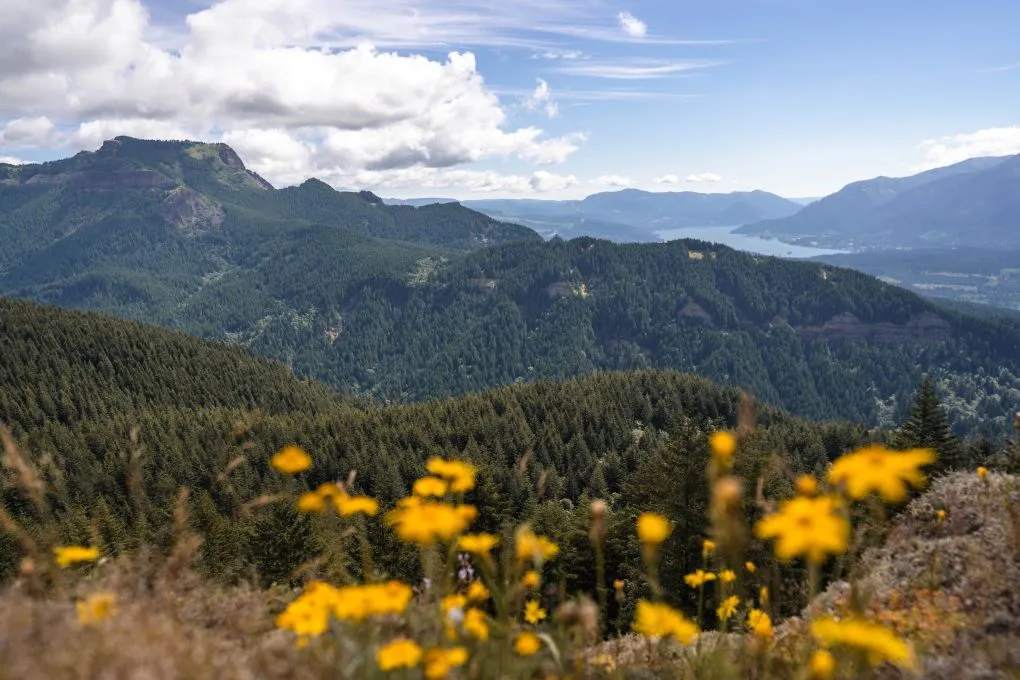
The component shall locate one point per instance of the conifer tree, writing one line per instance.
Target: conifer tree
(928, 427)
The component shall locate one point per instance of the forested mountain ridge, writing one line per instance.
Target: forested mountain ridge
(66, 367)
(972, 203)
(75, 387)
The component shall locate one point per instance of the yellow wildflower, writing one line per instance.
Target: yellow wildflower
(455, 601)
(823, 665)
(876, 469)
(291, 459)
(655, 619)
(759, 623)
(727, 576)
(728, 607)
(398, 654)
(763, 594)
(459, 474)
(699, 578)
(806, 485)
(750, 566)
(430, 486)
(533, 612)
(810, 527)
(531, 579)
(72, 554)
(95, 608)
(723, 445)
(534, 548)
(618, 584)
(353, 505)
(653, 529)
(527, 644)
(940, 514)
(982, 472)
(707, 547)
(438, 662)
(476, 624)
(477, 592)
(478, 544)
(879, 643)
(425, 522)
(310, 501)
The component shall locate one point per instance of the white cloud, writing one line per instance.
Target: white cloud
(543, 181)
(559, 54)
(667, 179)
(631, 25)
(254, 71)
(542, 99)
(703, 177)
(11, 160)
(25, 132)
(634, 71)
(1002, 141)
(470, 181)
(612, 181)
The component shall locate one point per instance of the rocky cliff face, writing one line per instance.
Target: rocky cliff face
(927, 327)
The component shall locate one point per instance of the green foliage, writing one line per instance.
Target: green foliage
(928, 428)
(636, 439)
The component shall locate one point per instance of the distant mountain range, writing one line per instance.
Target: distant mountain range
(635, 215)
(972, 203)
(976, 202)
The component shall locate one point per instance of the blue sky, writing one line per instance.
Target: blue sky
(549, 98)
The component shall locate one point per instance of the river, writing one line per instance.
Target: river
(746, 242)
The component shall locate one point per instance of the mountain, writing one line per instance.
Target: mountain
(633, 215)
(976, 202)
(177, 232)
(174, 194)
(402, 321)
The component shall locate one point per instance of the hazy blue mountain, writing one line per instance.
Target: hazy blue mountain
(976, 202)
(635, 215)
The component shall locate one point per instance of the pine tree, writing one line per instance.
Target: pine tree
(928, 427)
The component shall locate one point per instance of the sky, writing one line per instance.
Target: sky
(523, 98)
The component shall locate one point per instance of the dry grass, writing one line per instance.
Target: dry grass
(164, 628)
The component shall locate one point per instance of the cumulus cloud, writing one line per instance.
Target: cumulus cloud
(631, 25)
(255, 73)
(11, 160)
(667, 179)
(544, 181)
(612, 181)
(541, 99)
(703, 177)
(1002, 141)
(26, 132)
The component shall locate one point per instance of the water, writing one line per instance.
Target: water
(746, 242)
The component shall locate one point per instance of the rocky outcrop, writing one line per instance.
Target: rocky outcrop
(927, 327)
(191, 212)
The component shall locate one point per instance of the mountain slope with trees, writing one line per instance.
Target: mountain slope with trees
(339, 297)
(972, 203)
